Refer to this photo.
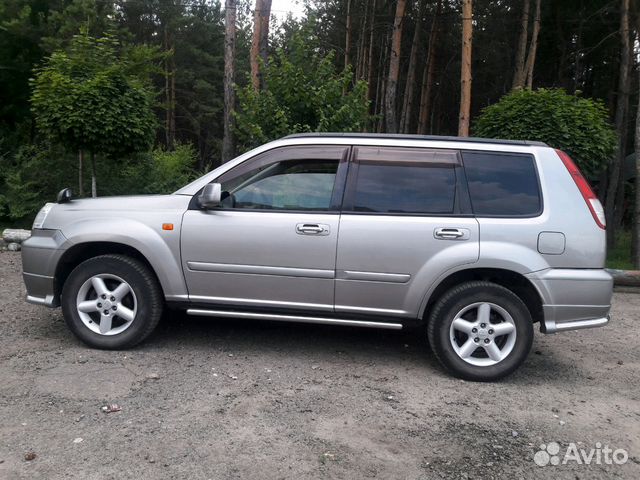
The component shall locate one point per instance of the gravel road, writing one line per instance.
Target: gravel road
(214, 399)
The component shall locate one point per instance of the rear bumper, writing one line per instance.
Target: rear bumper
(551, 326)
(573, 299)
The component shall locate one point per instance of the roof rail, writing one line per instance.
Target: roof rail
(403, 136)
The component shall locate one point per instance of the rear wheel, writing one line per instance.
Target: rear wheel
(480, 331)
(112, 301)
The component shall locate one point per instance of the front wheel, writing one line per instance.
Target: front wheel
(112, 302)
(480, 331)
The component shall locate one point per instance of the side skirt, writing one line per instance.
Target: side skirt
(280, 317)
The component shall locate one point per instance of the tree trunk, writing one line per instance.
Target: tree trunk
(621, 107)
(518, 74)
(635, 245)
(254, 56)
(578, 70)
(172, 124)
(265, 17)
(409, 94)
(636, 217)
(361, 58)
(347, 40)
(167, 94)
(428, 74)
(379, 93)
(80, 179)
(370, 53)
(94, 187)
(465, 70)
(619, 208)
(531, 58)
(394, 68)
(170, 88)
(229, 92)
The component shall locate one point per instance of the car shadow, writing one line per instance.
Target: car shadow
(406, 348)
(296, 338)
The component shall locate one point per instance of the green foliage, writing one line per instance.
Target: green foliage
(158, 171)
(88, 98)
(32, 176)
(303, 93)
(577, 125)
(19, 196)
(20, 32)
(36, 173)
(619, 256)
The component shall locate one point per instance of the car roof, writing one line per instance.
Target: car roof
(403, 136)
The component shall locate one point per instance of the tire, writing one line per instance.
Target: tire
(490, 352)
(126, 312)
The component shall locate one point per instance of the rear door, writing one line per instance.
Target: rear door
(406, 220)
(273, 241)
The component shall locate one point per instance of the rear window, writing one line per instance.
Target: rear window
(397, 180)
(504, 185)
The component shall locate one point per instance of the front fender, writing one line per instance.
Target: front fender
(161, 248)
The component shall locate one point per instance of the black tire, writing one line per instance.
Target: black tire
(150, 300)
(454, 301)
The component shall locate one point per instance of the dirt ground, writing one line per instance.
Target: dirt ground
(214, 399)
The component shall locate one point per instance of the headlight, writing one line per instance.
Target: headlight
(42, 215)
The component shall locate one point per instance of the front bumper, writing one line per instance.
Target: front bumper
(41, 290)
(40, 256)
(573, 299)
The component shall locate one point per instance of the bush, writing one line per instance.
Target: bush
(33, 175)
(160, 171)
(577, 125)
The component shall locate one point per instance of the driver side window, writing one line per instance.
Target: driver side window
(300, 178)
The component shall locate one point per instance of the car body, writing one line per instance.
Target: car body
(353, 229)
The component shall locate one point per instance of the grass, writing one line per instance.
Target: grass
(620, 256)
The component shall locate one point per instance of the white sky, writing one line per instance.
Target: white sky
(280, 8)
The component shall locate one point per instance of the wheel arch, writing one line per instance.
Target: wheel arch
(509, 279)
(81, 252)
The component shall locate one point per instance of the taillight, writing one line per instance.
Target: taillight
(595, 207)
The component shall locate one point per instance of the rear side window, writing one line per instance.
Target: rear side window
(502, 185)
(403, 180)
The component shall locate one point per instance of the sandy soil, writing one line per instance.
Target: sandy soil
(212, 399)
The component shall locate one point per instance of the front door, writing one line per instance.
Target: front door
(273, 241)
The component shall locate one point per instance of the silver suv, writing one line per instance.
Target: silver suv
(474, 239)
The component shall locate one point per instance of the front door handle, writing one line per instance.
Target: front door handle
(317, 229)
(445, 233)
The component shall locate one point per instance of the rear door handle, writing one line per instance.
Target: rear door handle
(317, 229)
(446, 233)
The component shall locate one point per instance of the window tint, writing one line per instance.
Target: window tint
(410, 181)
(285, 185)
(502, 184)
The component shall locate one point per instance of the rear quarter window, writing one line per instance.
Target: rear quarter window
(502, 184)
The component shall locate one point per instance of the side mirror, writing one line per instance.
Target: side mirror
(211, 196)
(64, 196)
